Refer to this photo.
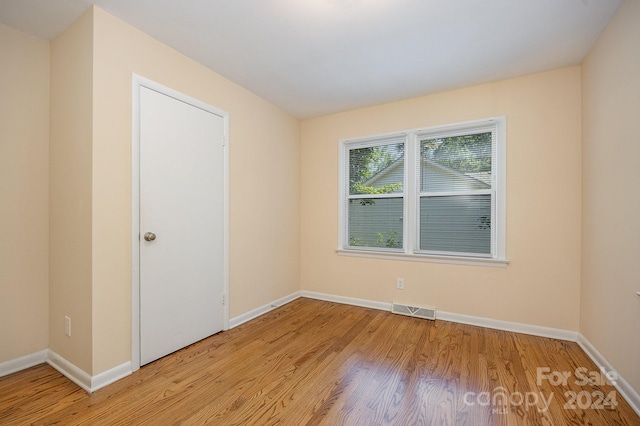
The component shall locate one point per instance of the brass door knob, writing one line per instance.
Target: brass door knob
(149, 236)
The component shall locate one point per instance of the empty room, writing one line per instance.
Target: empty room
(338, 212)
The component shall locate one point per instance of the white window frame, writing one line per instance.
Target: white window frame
(411, 195)
(378, 141)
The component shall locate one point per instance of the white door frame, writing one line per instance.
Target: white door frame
(136, 83)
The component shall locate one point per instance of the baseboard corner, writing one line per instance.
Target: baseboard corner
(628, 393)
(110, 376)
(69, 370)
(261, 310)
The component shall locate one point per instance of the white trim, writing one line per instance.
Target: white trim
(453, 193)
(255, 313)
(516, 327)
(534, 330)
(137, 82)
(376, 196)
(22, 363)
(383, 306)
(110, 376)
(500, 189)
(375, 140)
(470, 127)
(135, 222)
(429, 258)
(84, 380)
(66, 368)
(410, 237)
(625, 389)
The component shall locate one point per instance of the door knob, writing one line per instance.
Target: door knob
(149, 236)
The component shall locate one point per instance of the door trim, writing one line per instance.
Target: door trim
(136, 83)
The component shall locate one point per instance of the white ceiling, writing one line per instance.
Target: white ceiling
(314, 57)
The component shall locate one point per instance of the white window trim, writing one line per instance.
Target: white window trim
(411, 195)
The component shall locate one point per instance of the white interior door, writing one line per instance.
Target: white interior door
(182, 205)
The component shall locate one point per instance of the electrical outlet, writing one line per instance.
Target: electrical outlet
(67, 326)
(400, 283)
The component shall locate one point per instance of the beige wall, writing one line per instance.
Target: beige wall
(541, 284)
(264, 182)
(611, 206)
(81, 191)
(24, 193)
(70, 192)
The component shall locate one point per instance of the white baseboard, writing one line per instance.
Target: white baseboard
(22, 363)
(516, 327)
(73, 373)
(625, 389)
(534, 330)
(255, 313)
(112, 375)
(83, 379)
(347, 300)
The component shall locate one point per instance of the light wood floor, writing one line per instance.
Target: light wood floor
(314, 362)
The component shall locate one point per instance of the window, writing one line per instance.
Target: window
(433, 194)
(375, 200)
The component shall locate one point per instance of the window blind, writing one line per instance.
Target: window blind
(375, 194)
(456, 181)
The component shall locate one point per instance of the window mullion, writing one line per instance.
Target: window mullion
(376, 196)
(410, 199)
(456, 193)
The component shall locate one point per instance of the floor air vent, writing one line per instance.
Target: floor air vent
(413, 311)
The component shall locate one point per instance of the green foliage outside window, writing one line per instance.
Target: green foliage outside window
(466, 153)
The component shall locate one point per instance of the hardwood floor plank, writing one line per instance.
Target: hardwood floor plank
(321, 363)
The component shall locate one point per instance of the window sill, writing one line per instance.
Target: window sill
(471, 261)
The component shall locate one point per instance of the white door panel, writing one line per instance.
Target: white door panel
(181, 202)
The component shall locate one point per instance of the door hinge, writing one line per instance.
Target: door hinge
(224, 299)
